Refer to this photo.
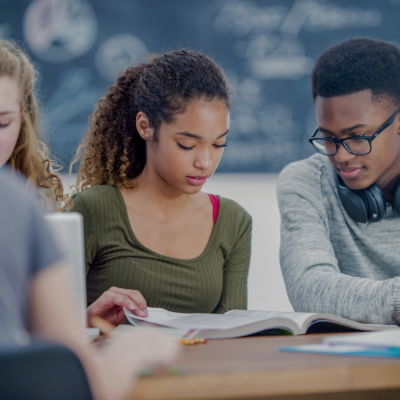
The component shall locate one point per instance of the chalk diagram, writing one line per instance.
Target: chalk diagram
(268, 46)
(74, 96)
(5, 30)
(117, 53)
(58, 31)
(267, 41)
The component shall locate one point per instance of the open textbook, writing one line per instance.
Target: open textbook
(237, 323)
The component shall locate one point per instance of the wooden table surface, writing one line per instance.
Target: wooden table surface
(253, 368)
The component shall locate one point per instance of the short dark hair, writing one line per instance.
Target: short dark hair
(358, 64)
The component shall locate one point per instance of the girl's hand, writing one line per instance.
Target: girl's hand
(109, 305)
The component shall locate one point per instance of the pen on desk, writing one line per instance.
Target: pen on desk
(104, 326)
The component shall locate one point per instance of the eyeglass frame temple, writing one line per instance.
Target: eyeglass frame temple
(368, 139)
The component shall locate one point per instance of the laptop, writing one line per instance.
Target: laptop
(68, 232)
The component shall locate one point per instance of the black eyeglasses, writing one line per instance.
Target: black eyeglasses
(357, 145)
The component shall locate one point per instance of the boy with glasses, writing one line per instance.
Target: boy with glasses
(340, 209)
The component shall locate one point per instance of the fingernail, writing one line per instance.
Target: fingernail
(145, 312)
(131, 307)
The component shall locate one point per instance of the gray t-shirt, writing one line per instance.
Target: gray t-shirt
(329, 262)
(26, 247)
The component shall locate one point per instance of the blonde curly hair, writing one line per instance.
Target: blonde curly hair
(30, 155)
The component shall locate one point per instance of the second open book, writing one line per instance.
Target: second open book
(237, 323)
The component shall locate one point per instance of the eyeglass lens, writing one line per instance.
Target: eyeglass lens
(356, 146)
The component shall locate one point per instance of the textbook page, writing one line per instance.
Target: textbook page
(301, 319)
(305, 320)
(198, 321)
(127, 330)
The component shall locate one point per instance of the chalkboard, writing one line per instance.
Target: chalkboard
(267, 49)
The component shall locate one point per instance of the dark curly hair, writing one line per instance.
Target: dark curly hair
(112, 152)
(358, 64)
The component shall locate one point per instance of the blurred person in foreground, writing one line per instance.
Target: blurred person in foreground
(20, 145)
(23, 152)
(36, 299)
(340, 209)
(154, 140)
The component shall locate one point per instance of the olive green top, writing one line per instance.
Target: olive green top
(215, 281)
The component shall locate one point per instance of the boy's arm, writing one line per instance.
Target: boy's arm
(310, 269)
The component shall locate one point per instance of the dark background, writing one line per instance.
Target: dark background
(267, 49)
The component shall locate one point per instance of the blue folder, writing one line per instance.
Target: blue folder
(344, 350)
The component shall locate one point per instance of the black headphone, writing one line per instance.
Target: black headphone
(366, 205)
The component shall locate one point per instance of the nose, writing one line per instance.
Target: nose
(203, 160)
(343, 155)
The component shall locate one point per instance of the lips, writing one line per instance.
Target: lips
(350, 172)
(197, 180)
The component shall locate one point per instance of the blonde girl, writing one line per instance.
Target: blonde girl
(20, 145)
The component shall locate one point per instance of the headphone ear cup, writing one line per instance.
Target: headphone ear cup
(377, 203)
(396, 200)
(354, 202)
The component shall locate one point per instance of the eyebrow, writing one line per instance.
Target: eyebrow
(346, 130)
(6, 112)
(192, 135)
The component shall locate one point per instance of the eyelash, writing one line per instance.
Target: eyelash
(4, 125)
(217, 146)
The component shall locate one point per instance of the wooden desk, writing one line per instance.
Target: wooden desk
(252, 368)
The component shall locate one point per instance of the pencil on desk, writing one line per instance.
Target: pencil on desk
(104, 326)
(192, 342)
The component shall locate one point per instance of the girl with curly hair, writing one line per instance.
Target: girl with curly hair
(20, 146)
(154, 140)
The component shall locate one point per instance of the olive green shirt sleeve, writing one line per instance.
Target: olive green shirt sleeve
(236, 269)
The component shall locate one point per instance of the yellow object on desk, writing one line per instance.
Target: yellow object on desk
(193, 342)
(104, 326)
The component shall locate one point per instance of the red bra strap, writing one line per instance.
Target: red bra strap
(215, 203)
